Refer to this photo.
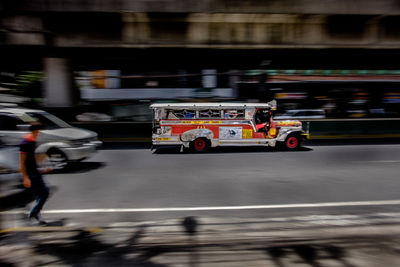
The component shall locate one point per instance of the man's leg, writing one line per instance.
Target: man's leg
(42, 192)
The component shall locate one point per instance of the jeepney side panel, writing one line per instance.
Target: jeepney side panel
(178, 128)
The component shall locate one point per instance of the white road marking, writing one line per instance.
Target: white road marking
(219, 208)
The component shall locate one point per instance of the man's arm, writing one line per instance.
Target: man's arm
(43, 161)
(25, 178)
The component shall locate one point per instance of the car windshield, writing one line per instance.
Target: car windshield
(48, 120)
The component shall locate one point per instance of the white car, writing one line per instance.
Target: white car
(10, 177)
(60, 141)
(302, 114)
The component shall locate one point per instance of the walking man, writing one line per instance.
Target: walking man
(31, 176)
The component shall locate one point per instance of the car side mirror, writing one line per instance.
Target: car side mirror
(24, 127)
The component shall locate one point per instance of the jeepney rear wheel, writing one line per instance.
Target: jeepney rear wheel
(200, 144)
(293, 142)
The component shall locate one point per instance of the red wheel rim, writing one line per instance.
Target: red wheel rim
(292, 142)
(199, 144)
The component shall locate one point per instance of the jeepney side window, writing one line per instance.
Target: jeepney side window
(210, 113)
(169, 115)
(234, 114)
(184, 114)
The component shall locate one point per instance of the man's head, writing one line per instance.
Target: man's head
(35, 128)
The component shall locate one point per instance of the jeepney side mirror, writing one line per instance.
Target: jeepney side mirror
(273, 104)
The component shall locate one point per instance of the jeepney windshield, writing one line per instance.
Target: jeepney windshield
(261, 116)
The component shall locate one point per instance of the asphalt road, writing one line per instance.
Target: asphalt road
(121, 184)
(128, 178)
(322, 206)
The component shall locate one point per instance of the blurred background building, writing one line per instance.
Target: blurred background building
(116, 56)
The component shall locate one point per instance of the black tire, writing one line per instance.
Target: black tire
(200, 144)
(57, 159)
(293, 142)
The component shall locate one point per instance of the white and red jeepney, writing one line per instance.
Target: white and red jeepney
(203, 125)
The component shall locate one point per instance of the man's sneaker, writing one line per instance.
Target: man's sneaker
(37, 217)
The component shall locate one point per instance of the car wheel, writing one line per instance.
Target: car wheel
(200, 145)
(293, 142)
(57, 159)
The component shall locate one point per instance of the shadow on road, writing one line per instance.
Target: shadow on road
(85, 248)
(222, 150)
(310, 254)
(56, 223)
(313, 142)
(81, 167)
(125, 145)
(80, 247)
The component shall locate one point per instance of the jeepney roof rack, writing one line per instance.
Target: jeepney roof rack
(270, 105)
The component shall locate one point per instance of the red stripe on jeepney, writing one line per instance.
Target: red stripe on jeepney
(180, 128)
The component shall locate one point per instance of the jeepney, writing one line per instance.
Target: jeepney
(200, 126)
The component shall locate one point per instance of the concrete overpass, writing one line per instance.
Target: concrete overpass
(61, 36)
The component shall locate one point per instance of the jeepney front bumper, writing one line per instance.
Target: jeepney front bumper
(305, 136)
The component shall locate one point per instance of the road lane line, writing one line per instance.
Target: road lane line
(219, 208)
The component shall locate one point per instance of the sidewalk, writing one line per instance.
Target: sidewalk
(217, 242)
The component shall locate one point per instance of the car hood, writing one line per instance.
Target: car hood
(71, 133)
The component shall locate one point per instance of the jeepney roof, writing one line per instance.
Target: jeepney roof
(211, 105)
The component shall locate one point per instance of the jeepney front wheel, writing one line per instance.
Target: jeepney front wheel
(200, 144)
(293, 142)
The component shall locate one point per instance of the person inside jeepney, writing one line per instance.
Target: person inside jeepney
(189, 114)
(230, 114)
(262, 118)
